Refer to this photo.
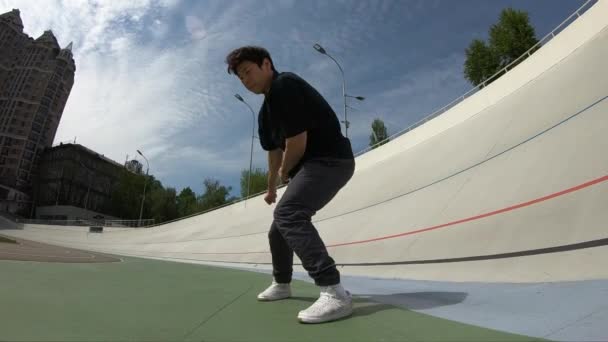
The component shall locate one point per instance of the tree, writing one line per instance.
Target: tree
(161, 205)
(169, 208)
(481, 62)
(379, 134)
(510, 38)
(215, 195)
(259, 181)
(186, 203)
(126, 195)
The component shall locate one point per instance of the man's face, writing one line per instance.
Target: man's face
(256, 79)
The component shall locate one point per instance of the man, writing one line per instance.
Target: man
(305, 146)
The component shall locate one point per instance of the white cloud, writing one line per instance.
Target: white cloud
(120, 45)
(159, 29)
(195, 27)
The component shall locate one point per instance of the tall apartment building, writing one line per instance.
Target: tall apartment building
(36, 77)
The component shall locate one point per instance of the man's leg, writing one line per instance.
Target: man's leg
(282, 267)
(282, 256)
(310, 190)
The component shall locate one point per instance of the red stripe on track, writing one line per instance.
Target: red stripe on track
(473, 218)
(453, 223)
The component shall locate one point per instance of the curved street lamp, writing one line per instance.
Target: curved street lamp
(240, 98)
(321, 50)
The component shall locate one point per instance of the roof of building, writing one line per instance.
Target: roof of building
(13, 17)
(87, 151)
(48, 38)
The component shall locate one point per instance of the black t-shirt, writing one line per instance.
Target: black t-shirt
(293, 106)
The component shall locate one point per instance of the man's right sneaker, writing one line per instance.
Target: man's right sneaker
(333, 303)
(275, 291)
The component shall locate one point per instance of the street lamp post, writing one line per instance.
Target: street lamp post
(321, 50)
(141, 210)
(238, 97)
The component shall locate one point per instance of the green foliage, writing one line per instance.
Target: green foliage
(510, 38)
(379, 134)
(215, 195)
(481, 62)
(160, 203)
(259, 181)
(186, 203)
(163, 204)
(126, 196)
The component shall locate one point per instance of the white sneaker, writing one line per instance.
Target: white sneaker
(275, 291)
(333, 303)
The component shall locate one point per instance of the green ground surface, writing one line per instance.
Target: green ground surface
(149, 300)
(4, 239)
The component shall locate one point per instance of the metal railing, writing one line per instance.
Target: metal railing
(496, 75)
(91, 222)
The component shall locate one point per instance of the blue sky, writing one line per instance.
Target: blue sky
(151, 73)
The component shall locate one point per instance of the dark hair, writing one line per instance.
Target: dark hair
(254, 54)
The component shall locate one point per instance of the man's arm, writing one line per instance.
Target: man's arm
(294, 150)
(274, 164)
(275, 158)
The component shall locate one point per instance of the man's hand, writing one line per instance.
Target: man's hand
(271, 196)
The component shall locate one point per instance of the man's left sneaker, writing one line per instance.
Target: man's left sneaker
(275, 291)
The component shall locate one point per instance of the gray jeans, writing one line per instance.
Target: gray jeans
(317, 182)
